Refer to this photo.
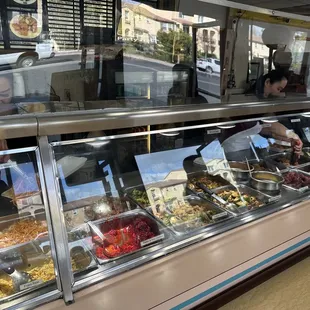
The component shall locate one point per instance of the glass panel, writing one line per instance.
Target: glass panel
(174, 184)
(25, 247)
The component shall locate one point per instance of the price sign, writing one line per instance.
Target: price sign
(152, 240)
(220, 215)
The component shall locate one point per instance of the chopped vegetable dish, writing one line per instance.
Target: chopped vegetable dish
(140, 197)
(245, 201)
(125, 240)
(209, 181)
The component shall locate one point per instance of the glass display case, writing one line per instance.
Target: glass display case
(27, 257)
(83, 207)
(174, 186)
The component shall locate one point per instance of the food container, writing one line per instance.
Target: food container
(285, 158)
(138, 195)
(169, 215)
(206, 179)
(40, 268)
(303, 188)
(266, 181)
(305, 169)
(120, 230)
(17, 230)
(240, 171)
(246, 190)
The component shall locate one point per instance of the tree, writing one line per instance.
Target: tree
(174, 43)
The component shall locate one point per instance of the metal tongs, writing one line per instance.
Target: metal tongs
(228, 205)
(105, 241)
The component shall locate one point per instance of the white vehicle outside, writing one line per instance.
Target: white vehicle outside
(209, 65)
(28, 58)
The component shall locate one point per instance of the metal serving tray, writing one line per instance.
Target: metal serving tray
(299, 190)
(128, 193)
(244, 189)
(33, 285)
(194, 225)
(7, 221)
(303, 160)
(122, 220)
(200, 174)
(305, 169)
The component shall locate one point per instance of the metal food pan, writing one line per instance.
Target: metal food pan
(300, 190)
(7, 221)
(120, 221)
(261, 164)
(303, 160)
(128, 193)
(305, 169)
(265, 199)
(34, 285)
(215, 178)
(193, 225)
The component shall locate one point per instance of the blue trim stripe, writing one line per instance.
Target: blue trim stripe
(239, 275)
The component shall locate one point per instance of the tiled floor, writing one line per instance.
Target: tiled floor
(290, 290)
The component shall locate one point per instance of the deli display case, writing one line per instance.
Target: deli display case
(76, 212)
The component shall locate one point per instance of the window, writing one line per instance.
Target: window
(181, 15)
(186, 29)
(205, 35)
(200, 19)
(126, 15)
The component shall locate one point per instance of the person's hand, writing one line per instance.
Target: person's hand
(295, 141)
(4, 147)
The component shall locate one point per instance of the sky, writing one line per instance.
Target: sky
(155, 167)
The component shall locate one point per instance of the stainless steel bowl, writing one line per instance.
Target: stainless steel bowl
(240, 170)
(266, 181)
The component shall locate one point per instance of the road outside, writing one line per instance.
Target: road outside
(38, 78)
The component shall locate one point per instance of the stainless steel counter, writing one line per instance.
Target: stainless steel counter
(53, 123)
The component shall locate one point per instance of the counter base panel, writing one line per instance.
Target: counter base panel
(193, 275)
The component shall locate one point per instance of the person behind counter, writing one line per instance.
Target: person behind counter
(270, 85)
(239, 138)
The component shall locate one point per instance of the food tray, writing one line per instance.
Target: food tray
(8, 221)
(129, 193)
(305, 169)
(300, 190)
(197, 175)
(265, 199)
(303, 160)
(189, 226)
(122, 221)
(37, 260)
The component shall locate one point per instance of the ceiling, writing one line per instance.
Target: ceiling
(292, 6)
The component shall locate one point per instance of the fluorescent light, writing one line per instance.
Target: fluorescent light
(268, 121)
(226, 126)
(98, 144)
(170, 134)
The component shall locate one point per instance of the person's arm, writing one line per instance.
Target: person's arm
(280, 132)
